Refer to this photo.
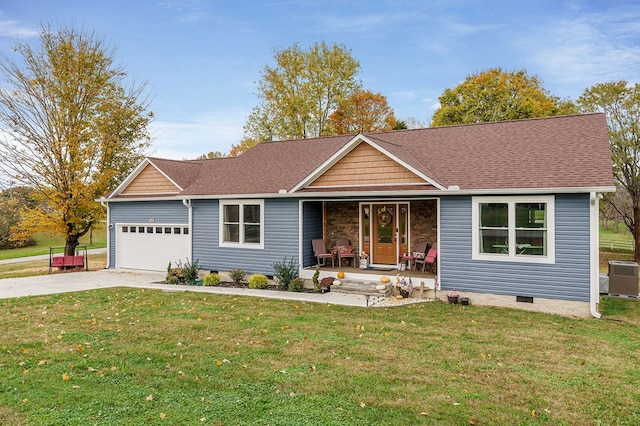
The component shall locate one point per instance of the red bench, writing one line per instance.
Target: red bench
(68, 262)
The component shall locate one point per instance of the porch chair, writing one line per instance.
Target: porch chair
(344, 250)
(429, 259)
(321, 253)
(419, 252)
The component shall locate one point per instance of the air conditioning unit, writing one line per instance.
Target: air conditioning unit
(623, 278)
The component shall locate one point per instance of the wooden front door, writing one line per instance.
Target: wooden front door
(384, 235)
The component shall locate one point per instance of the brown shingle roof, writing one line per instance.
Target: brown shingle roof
(184, 173)
(554, 152)
(266, 168)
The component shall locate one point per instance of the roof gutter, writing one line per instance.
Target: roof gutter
(594, 295)
(187, 204)
(451, 190)
(105, 204)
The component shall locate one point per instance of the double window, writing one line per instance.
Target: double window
(514, 229)
(241, 223)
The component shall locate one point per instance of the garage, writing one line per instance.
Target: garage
(151, 247)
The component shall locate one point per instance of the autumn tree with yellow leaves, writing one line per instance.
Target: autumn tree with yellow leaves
(299, 92)
(498, 95)
(71, 129)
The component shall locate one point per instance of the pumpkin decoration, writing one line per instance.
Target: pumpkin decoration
(341, 275)
(399, 297)
(385, 280)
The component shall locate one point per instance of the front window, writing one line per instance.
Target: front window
(510, 228)
(241, 223)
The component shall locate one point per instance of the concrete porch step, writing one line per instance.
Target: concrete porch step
(364, 287)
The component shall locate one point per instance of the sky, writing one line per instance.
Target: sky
(201, 60)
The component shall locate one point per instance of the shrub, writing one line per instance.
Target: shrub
(211, 279)
(297, 285)
(169, 272)
(316, 281)
(174, 275)
(189, 271)
(285, 272)
(237, 275)
(258, 281)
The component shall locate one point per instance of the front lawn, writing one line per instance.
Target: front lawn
(41, 267)
(133, 356)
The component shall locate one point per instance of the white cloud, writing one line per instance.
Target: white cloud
(13, 28)
(352, 23)
(588, 48)
(187, 139)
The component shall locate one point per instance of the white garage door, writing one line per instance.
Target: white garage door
(151, 247)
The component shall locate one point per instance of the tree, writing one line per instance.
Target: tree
(363, 111)
(73, 130)
(401, 125)
(621, 102)
(244, 145)
(414, 123)
(300, 92)
(210, 155)
(12, 201)
(497, 95)
(616, 207)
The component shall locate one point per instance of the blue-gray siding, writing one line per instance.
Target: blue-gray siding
(170, 212)
(567, 279)
(280, 238)
(311, 229)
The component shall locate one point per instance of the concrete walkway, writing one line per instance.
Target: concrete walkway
(107, 278)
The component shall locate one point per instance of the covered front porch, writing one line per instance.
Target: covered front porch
(378, 231)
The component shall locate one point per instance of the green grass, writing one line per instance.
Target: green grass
(44, 241)
(133, 356)
(621, 241)
(41, 267)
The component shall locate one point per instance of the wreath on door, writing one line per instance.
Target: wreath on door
(385, 216)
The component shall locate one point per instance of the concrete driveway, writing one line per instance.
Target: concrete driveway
(75, 281)
(106, 278)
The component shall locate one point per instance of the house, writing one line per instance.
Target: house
(511, 206)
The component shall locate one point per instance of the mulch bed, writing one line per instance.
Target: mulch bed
(231, 284)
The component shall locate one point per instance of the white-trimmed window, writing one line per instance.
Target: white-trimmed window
(241, 223)
(517, 229)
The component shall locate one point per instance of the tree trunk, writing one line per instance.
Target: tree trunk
(636, 231)
(71, 244)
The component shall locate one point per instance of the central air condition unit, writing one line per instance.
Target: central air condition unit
(623, 278)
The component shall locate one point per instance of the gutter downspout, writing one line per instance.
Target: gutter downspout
(106, 205)
(594, 298)
(187, 204)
